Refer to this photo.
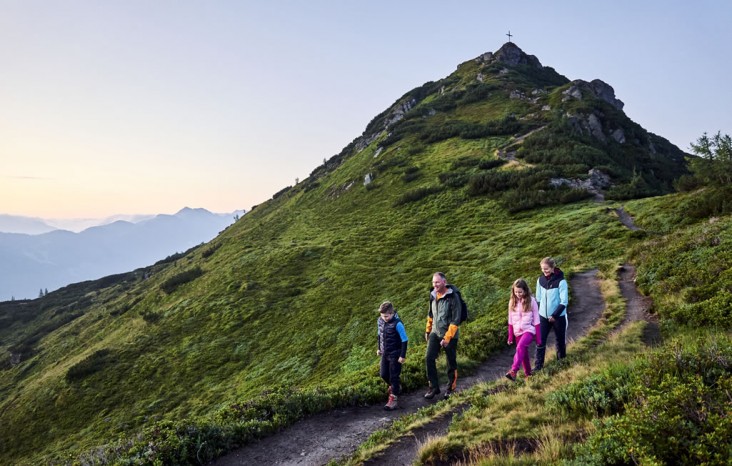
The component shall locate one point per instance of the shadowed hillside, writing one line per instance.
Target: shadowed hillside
(479, 175)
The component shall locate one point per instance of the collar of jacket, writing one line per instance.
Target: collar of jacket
(553, 280)
(433, 293)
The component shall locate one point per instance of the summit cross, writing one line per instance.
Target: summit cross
(509, 36)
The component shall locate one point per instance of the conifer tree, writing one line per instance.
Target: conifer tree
(714, 164)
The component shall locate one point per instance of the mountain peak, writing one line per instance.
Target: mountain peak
(510, 54)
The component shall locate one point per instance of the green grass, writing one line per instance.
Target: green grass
(275, 318)
(615, 401)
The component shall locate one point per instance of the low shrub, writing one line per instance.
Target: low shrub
(454, 179)
(676, 409)
(709, 202)
(89, 365)
(171, 284)
(601, 394)
(410, 174)
(416, 195)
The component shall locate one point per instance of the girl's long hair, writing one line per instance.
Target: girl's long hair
(525, 301)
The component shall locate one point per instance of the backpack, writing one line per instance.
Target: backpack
(463, 305)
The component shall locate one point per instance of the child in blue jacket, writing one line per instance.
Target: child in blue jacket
(392, 339)
(552, 295)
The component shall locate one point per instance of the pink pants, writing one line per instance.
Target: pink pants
(522, 353)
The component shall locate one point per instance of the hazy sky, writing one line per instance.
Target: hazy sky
(142, 107)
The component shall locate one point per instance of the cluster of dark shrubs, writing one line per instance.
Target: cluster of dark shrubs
(467, 130)
(671, 407)
(709, 202)
(209, 251)
(386, 163)
(416, 195)
(523, 189)
(430, 133)
(454, 179)
(91, 364)
(171, 284)
(281, 192)
(411, 173)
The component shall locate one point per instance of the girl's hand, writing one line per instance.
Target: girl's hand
(510, 342)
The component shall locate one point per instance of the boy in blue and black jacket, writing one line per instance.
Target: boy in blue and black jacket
(392, 341)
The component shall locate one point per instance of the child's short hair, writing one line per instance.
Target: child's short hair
(386, 308)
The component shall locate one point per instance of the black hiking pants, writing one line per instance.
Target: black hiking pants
(390, 371)
(560, 332)
(433, 350)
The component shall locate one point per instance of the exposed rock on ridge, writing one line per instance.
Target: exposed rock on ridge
(510, 54)
(580, 89)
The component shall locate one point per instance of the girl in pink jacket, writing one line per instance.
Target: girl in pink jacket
(523, 326)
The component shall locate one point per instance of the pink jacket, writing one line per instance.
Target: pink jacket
(521, 322)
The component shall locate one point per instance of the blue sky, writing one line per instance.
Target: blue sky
(142, 107)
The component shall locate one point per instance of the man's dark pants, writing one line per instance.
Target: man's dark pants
(433, 349)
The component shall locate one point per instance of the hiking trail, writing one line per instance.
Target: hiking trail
(336, 434)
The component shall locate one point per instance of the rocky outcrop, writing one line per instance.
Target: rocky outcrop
(396, 115)
(596, 181)
(579, 89)
(510, 54)
(593, 125)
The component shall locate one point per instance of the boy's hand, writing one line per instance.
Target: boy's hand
(401, 360)
(378, 352)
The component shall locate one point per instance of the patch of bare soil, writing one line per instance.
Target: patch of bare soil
(328, 436)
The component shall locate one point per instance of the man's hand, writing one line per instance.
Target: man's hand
(401, 360)
(378, 352)
(426, 336)
(444, 343)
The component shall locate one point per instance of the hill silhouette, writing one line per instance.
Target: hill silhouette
(53, 259)
(479, 175)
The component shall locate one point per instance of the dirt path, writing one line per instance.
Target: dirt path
(626, 219)
(336, 434)
(637, 306)
(404, 451)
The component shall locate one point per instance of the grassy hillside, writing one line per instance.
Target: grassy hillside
(616, 400)
(275, 318)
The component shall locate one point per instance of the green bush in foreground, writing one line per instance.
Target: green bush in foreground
(677, 412)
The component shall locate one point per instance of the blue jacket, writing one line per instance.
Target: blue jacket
(552, 294)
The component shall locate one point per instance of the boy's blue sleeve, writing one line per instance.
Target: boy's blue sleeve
(402, 331)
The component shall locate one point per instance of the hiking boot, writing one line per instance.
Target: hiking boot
(448, 392)
(431, 393)
(391, 405)
(511, 375)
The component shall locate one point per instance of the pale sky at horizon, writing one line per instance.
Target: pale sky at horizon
(139, 107)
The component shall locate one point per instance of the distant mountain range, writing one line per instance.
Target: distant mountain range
(50, 258)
